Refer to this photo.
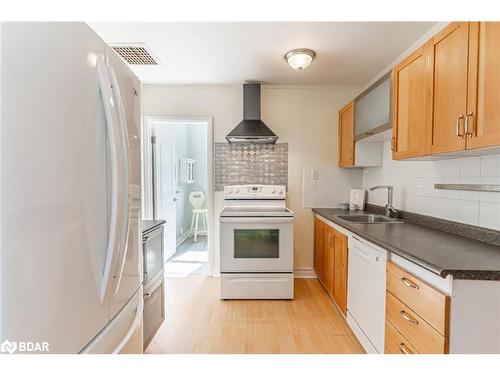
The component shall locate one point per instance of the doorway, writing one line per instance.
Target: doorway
(177, 180)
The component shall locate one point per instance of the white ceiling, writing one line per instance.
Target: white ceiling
(348, 53)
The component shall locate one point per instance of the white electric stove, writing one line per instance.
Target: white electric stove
(256, 243)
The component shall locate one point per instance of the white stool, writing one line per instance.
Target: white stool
(197, 198)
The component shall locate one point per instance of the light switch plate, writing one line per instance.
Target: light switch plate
(315, 174)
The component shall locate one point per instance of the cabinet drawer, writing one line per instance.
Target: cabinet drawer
(152, 245)
(395, 343)
(416, 330)
(430, 304)
(154, 310)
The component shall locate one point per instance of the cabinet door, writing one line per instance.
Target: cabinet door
(346, 136)
(450, 64)
(483, 112)
(340, 273)
(318, 247)
(411, 105)
(329, 260)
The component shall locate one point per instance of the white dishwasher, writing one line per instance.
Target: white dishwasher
(366, 294)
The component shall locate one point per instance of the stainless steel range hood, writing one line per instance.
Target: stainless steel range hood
(251, 129)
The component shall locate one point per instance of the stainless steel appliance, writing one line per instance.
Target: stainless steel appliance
(154, 278)
(251, 129)
(256, 243)
(152, 249)
(74, 280)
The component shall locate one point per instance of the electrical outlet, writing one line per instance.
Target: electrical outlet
(315, 175)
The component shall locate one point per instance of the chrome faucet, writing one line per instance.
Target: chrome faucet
(390, 211)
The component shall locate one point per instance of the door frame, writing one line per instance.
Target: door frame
(147, 198)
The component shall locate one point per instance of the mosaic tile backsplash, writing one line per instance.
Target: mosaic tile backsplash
(241, 163)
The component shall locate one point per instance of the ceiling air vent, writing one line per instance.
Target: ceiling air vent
(135, 54)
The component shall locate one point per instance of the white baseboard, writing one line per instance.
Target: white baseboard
(304, 273)
(298, 273)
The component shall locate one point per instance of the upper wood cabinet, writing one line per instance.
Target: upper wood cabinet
(412, 116)
(482, 122)
(446, 95)
(449, 58)
(346, 136)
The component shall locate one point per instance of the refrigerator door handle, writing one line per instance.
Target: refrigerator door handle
(133, 327)
(113, 135)
(123, 183)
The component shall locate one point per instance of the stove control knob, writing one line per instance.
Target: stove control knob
(237, 191)
(274, 191)
(280, 192)
(230, 191)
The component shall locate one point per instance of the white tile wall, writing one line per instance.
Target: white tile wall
(414, 191)
(332, 186)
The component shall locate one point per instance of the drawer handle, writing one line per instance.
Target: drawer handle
(146, 294)
(409, 283)
(408, 317)
(403, 349)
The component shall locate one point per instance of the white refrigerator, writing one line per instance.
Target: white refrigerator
(71, 264)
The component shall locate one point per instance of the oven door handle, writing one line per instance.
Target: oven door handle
(257, 220)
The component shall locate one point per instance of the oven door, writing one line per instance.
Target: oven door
(256, 244)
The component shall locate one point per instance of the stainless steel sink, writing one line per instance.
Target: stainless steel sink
(369, 219)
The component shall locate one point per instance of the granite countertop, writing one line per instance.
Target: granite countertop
(440, 252)
(149, 225)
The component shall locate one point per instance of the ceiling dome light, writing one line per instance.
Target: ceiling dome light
(300, 58)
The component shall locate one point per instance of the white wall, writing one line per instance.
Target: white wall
(332, 186)
(303, 116)
(197, 150)
(414, 191)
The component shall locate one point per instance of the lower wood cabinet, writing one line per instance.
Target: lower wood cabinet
(395, 343)
(340, 272)
(330, 261)
(413, 328)
(417, 315)
(319, 235)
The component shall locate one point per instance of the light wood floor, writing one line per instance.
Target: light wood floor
(197, 321)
